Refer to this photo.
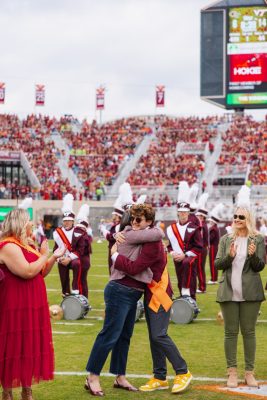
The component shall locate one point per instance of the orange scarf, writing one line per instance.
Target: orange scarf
(159, 294)
(30, 249)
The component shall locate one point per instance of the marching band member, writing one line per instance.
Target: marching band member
(202, 214)
(63, 236)
(81, 245)
(185, 243)
(214, 238)
(193, 204)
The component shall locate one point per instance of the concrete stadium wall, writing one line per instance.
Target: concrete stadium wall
(98, 210)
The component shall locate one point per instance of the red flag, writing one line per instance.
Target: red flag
(100, 98)
(2, 93)
(39, 95)
(160, 96)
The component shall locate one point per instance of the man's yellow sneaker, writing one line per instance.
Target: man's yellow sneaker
(181, 382)
(154, 384)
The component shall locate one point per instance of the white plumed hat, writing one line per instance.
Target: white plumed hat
(67, 208)
(183, 197)
(26, 203)
(124, 199)
(126, 195)
(83, 216)
(193, 196)
(141, 199)
(202, 205)
(216, 212)
(243, 197)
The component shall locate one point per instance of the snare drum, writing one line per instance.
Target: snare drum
(184, 310)
(75, 306)
(139, 310)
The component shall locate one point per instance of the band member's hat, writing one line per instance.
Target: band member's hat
(68, 214)
(26, 203)
(183, 198)
(83, 216)
(124, 200)
(216, 213)
(243, 197)
(141, 199)
(193, 196)
(202, 205)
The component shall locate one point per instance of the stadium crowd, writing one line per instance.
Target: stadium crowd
(98, 152)
(162, 165)
(245, 142)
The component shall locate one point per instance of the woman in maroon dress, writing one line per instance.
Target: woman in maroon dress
(26, 349)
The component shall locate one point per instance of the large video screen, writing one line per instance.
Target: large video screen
(247, 57)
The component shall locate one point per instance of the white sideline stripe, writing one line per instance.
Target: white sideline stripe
(72, 323)
(96, 318)
(63, 333)
(107, 374)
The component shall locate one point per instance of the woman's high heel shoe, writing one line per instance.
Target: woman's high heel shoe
(7, 394)
(87, 386)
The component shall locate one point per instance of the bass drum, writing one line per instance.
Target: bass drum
(75, 306)
(139, 310)
(184, 310)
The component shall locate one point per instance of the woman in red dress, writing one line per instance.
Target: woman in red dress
(26, 349)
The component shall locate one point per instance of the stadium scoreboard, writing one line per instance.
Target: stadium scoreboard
(233, 65)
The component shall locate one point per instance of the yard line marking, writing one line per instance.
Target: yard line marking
(107, 374)
(72, 323)
(63, 333)
(97, 318)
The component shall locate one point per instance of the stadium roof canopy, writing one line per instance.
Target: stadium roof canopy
(235, 3)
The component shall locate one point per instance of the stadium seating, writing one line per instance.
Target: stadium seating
(163, 163)
(245, 147)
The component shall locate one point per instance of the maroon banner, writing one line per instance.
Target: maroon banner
(100, 98)
(2, 93)
(39, 95)
(160, 96)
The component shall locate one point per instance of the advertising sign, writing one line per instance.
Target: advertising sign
(5, 210)
(247, 56)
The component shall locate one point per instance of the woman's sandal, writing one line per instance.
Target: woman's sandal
(91, 391)
(130, 388)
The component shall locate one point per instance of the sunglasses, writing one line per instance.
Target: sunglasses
(137, 219)
(241, 217)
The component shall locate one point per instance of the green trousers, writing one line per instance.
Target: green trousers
(244, 315)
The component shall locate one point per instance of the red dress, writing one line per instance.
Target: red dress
(26, 348)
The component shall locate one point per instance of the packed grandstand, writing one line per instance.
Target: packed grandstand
(87, 159)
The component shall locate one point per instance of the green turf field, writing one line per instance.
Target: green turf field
(201, 343)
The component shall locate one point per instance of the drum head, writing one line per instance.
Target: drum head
(182, 312)
(72, 308)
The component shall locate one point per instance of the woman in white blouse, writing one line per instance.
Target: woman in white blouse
(241, 256)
